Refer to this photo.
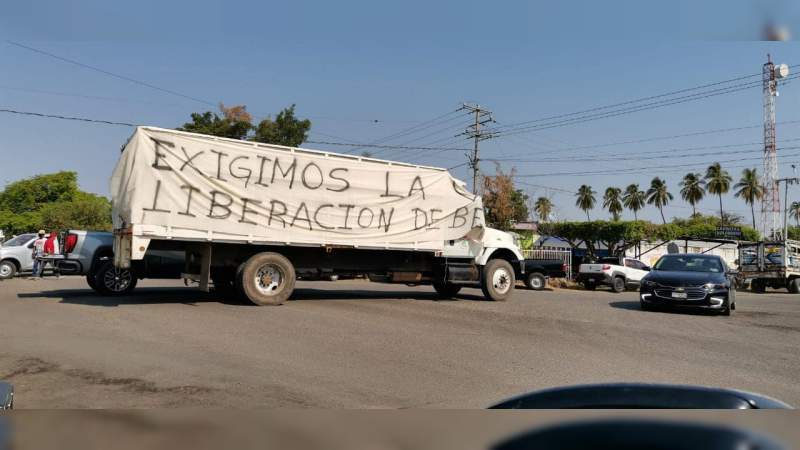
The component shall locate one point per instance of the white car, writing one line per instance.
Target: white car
(16, 255)
(618, 273)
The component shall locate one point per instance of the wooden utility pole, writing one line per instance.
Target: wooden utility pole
(474, 132)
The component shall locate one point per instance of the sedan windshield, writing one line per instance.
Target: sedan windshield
(684, 263)
(19, 240)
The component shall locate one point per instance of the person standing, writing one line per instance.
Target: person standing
(50, 249)
(37, 253)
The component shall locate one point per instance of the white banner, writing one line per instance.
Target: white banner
(271, 193)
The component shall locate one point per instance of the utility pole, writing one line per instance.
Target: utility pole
(787, 182)
(474, 132)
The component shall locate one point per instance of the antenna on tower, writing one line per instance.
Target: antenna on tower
(771, 203)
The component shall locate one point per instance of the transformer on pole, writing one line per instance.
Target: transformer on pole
(771, 203)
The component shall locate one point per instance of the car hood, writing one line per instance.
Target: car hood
(684, 279)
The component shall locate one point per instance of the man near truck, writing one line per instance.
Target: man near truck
(37, 253)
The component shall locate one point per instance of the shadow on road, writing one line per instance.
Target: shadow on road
(192, 296)
(635, 306)
(356, 294)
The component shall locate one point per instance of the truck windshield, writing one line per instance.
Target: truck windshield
(683, 263)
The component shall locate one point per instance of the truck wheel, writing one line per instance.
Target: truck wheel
(535, 281)
(266, 279)
(445, 289)
(618, 285)
(90, 281)
(7, 270)
(110, 280)
(794, 286)
(497, 280)
(758, 286)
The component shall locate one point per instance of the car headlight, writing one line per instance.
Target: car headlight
(714, 286)
(649, 284)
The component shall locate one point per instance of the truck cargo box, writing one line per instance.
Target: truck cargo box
(184, 186)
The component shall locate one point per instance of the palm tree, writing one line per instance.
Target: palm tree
(693, 189)
(543, 208)
(613, 201)
(634, 199)
(718, 182)
(749, 189)
(659, 195)
(585, 199)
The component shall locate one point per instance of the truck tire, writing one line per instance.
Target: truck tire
(794, 285)
(266, 279)
(535, 281)
(7, 269)
(90, 282)
(758, 286)
(110, 280)
(445, 289)
(497, 280)
(618, 284)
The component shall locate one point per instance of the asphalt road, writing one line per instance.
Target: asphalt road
(356, 344)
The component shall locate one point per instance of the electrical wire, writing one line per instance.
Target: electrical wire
(57, 116)
(112, 74)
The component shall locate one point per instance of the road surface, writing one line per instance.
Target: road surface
(356, 344)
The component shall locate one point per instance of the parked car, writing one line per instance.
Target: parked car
(538, 271)
(91, 253)
(618, 273)
(691, 281)
(16, 255)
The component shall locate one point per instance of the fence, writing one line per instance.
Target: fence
(563, 255)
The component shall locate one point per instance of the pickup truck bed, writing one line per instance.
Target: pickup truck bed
(537, 271)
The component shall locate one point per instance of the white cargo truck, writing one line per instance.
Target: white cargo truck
(252, 217)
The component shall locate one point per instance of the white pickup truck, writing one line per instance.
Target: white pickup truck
(618, 273)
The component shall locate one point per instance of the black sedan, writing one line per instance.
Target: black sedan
(689, 280)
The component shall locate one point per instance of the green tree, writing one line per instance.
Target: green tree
(86, 212)
(612, 200)
(693, 189)
(659, 195)
(29, 194)
(235, 123)
(749, 189)
(718, 182)
(586, 199)
(504, 204)
(794, 211)
(286, 129)
(634, 199)
(543, 208)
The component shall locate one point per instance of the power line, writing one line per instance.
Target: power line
(410, 130)
(638, 100)
(636, 169)
(350, 144)
(112, 74)
(56, 116)
(638, 108)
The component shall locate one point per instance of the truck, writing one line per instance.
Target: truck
(252, 217)
(617, 272)
(774, 264)
(90, 254)
(538, 271)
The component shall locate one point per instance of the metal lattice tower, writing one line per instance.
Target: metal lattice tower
(771, 203)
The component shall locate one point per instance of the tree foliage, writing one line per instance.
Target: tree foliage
(617, 236)
(53, 202)
(585, 199)
(659, 195)
(693, 189)
(634, 199)
(612, 200)
(286, 129)
(718, 182)
(504, 204)
(749, 188)
(543, 208)
(236, 123)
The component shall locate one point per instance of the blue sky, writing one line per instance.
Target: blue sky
(347, 64)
